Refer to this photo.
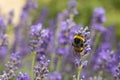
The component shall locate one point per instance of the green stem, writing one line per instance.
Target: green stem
(79, 71)
(52, 62)
(71, 17)
(59, 63)
(66, 77)
(33, 62)
(100, 73)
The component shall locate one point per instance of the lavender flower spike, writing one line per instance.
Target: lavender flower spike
(39, 38)
(22, 76)
(116, 72)
(35, 35)
(2, 27)
(98, 19)
(3, 46)
(81, 45)
(11, 66)
(72, 7)
(83, 32)
(41, 70)
(55, 76)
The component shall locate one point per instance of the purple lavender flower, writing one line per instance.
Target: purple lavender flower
(2, 27)
(98, 19)
(42, 16)
(70, 12)
(3, 46)
(97, 25)
(99, 15)
(105, 60)
(62, 51)
(30, 6)
(115, 68)
(41, 70)
(72, 7)
(64, 35)
(108, 36)
(116, 72)
(22, 76)
(79, 62)
(14, 61)
(7, 75)
(53, 26)
(55, 76)
(39, 38)
(11, 66)
(35, 35)
(118, 53)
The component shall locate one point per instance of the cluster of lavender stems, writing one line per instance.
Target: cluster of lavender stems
(50, 48)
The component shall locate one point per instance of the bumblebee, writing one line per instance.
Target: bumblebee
(78, 43)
